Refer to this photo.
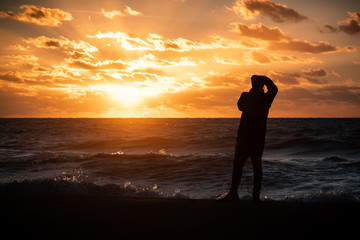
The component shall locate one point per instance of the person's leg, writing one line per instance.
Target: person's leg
(257, 168)
(241, 155)
(256, 160)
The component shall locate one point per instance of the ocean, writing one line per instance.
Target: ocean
(304, 159)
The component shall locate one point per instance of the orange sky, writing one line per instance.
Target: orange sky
(177, 58)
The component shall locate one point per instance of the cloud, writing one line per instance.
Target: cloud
(61, 42)
(350, 49)
(304, 46)
(83, 64)
(39, 15)
(312, 76)
(228, 61)
(145, 62)
(279, 13)
(150, 61)
(131, 12)
(258, 57)
(285, 78)
(227, 80)
(155, 42)
(259, 31)
(330, 94)
(320, 72)
(126, 12)
(351, 25)
(295, 59)
(10, 77)
(20, 60)
(261, 58)
(316, 80)
(315, 76)
(279, 41)
(80, 55)
(328, 29)
(335, 73)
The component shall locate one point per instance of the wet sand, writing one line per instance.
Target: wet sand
(106, 217)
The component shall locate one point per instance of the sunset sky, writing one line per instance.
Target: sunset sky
(177, 58)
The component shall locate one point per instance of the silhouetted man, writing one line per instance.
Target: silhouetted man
(250, 140)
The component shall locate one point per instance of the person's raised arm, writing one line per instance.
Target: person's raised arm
(272, 89)
(270, 85)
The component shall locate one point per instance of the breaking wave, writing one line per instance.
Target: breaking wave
(72, 187)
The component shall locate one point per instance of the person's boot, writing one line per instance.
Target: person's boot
(256, 196)
(230, 197)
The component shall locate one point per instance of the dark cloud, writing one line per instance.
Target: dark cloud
(350, 49)
(83, 64)
(330, 28)
(304, 46)
(61, 42)
(320, 72)
(285, 78)
(80, 55)
(259, 31)
(10, 77)
(52, 43)
(346, 94)
(41, 69)
(267, 58)
(39, 15)
(277, 12)
(172, 46)
(351, 25)
(279, 41)
(315, 76)
(329, 94)
(316, 80)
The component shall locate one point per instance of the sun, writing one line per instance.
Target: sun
(126, 95)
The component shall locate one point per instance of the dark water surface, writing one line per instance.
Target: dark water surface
(304, 159)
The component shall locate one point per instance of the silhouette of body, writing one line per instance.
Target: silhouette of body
(250, 140)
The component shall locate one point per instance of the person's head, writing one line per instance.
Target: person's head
(257, 82)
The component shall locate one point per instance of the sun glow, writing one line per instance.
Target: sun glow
(126, 95)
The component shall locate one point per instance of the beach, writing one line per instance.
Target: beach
(105, 217)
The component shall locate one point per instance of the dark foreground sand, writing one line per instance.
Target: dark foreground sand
(104, 217)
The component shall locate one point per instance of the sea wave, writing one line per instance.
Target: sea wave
(194, 155)
(73, 187)
(323, 196)
(60, 187)
(313, 146)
